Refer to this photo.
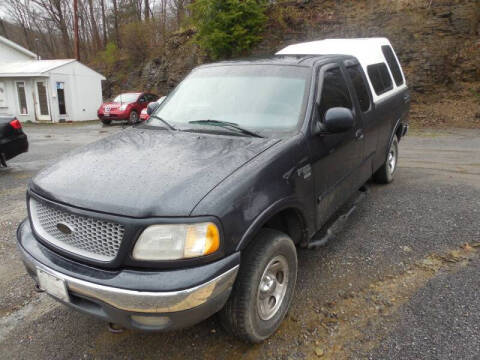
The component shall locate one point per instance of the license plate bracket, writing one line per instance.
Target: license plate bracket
(52, 285)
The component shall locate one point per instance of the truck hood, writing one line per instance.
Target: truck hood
(141, 172)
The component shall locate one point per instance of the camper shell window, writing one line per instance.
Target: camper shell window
(380, 78)
(393, 64)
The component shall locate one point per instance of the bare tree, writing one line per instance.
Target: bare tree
(178, 7)
(115, 20)
(475, 18)
(147, 10)
(56, 10)
(19, 11)
(93, 24)
(104, 23)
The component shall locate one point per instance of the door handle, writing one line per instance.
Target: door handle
(359, 134)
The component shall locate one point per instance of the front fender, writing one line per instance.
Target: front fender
(264, 186)
(275, 208)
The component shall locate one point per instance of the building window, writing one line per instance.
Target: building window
(61, 98)
(22, 99)
(380, 78)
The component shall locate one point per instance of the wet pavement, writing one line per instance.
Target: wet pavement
(398, 282)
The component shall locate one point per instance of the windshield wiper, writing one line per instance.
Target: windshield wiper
(163, 121)
(226, 124)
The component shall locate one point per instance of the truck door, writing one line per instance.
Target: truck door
(364, 104)
(336, 158)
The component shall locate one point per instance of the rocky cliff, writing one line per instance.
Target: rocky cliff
(436, 40)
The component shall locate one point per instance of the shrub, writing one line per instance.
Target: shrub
(109, 56)
(136, 40)
(227, 28)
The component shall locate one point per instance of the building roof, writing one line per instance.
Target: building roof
(31, 68)
(17, 47)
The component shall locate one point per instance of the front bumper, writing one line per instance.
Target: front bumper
(124, 303)
(114, 115)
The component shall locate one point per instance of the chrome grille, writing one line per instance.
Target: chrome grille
(87, 236)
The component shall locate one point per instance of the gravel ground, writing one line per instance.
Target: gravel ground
(441, 321)
(395, 283)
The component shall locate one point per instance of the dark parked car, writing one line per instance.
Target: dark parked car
(126, 106)
(199, 210)
(13, 140)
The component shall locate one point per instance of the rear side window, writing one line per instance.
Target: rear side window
(393, 64)
(380, 78)
(334, 92)
(355, 73)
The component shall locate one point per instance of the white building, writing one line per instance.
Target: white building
(46, 90)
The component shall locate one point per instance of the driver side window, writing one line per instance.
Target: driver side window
(334, 92)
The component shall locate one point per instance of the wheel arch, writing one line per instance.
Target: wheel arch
(286, 215)
(397, 131)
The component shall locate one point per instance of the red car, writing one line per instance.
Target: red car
(127, 106)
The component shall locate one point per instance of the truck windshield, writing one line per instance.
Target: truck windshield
(256, 97)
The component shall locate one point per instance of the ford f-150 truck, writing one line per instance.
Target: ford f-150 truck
(201, 208)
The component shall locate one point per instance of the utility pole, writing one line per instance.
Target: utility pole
(75, 29)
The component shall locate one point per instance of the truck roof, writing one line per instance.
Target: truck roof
(364, 49)
(368, 51)
(299, 60)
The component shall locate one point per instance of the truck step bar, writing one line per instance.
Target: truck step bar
(323, 237)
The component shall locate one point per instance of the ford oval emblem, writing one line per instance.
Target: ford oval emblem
(64, 228)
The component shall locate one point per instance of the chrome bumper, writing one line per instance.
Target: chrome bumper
(143, 301)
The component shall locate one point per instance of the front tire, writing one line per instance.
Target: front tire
(385, 174)
(264, 288)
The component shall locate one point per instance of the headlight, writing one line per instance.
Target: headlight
(123, 107)
(171, 242)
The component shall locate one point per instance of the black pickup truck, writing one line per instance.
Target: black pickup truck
(200, 209)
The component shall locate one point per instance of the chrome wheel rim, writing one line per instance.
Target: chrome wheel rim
(272, 287)
(133, 117)
(392, 160)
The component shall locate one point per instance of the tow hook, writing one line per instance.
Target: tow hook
(115, 328)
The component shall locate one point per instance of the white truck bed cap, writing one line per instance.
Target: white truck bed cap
(368, 51)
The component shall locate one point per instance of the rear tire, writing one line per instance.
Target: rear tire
(264, 288)
(385, 174)
(106, 121)
(133, 118)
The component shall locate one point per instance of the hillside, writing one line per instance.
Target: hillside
(435, 41)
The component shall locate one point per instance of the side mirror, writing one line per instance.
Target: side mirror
(152, 107)
(338, 120)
